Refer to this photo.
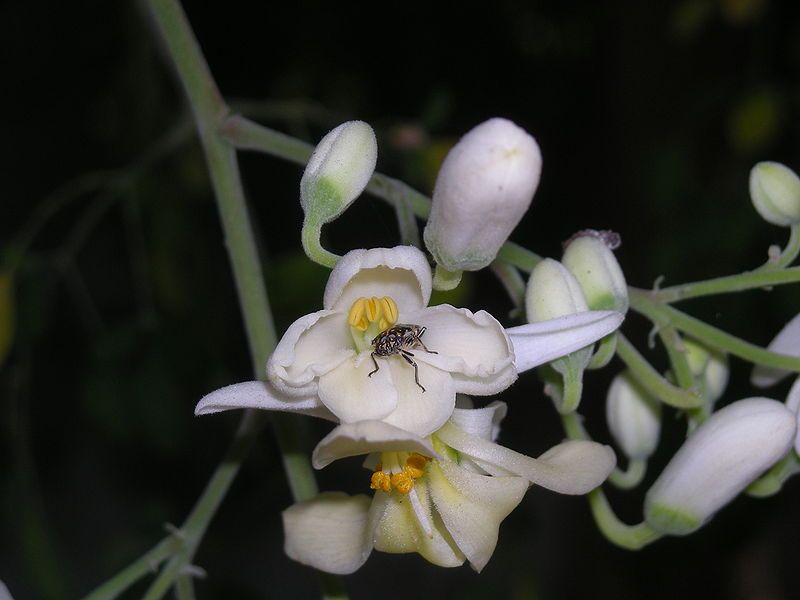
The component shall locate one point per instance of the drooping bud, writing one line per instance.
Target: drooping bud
(338, 171)
(588, 257)
(722, 456)
(483, 189)
(633, 416)
(775, 193)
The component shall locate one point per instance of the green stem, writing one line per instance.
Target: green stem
(606, 349)
(445, 280)
(310, 237)
(642, 302)
(631, 477)
(512, 281)
(772, 481)
(630, 537)
(573, 385)
(723, 285)
(676, 352)
(184, 587)
(651, 380)
(789, 253)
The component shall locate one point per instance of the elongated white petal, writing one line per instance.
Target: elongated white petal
(722, 457)
(539, 343)
(472, 506)
(482, 422)
(4, 593)
(793, 404)
(420, 412)
(365, 437)
(786, 342)
(352, 394)
(312, 346)
(400, 532)
(332, 532)
(401, 272)
(574, 467)
(259, 394)
(472, 346)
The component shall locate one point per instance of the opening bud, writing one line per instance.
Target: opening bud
(633, 416)
(338, 171)
(775, 193)
(722, 457)
(483, 189)
(589, 258)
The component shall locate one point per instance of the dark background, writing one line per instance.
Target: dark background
(649, 115)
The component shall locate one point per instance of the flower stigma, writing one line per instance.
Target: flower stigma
(396, 477)
(370, 316)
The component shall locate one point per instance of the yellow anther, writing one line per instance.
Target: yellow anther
(381, 481)
(366, 311)
(402, 481)
(415, 465)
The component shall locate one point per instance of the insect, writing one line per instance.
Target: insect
(400, 339)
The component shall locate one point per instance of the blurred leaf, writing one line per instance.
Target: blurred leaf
(755, 121)
(6, 314)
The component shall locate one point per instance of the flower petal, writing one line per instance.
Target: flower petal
(786, 342)
(472, 506)
(259, 394)
(573, 467)
(312, 346)
(793, 404)
(364, 437)
(401, 272)
(332, 532)
(538, 343)
(420, 412)
(399, 531)
(352, 395)
(473, 347)
(482, 422)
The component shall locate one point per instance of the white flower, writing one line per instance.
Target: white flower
(775, 193)
(483, 189)
(722, 457)
(443, 497)
(324, 364)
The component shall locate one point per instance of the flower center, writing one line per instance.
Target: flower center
(370, 316)
(396, 477)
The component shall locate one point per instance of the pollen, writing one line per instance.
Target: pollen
(403, 481)
(381, 481)
(366, 311)
(415, 465)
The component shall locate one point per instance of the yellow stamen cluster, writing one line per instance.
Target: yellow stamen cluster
(403, 481)
(366, 311)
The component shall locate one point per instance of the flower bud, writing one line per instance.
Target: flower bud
(775, 192)
(595, 267)
(633, 416)
(723, 456)
(338, 171)
(552, 292)
(710, 366)
(483, 189)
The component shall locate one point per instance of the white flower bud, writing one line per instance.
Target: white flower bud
(722, 457)
(338, 171)
(633, 416)
(596, 268)
(775, 192)
(552, 292)
(483, 189)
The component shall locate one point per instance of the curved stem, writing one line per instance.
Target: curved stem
(788, 254)
(606, 349)
(630, 537)
(631, 477)
(651, 380)
(310, 236)
(723, 285)
(772, 481)
(642, 302)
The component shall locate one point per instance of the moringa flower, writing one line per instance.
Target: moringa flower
(443, 497)
(326, 363)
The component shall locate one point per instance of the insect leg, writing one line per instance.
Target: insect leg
(424, 347)
(407, 356)
(375, 362)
